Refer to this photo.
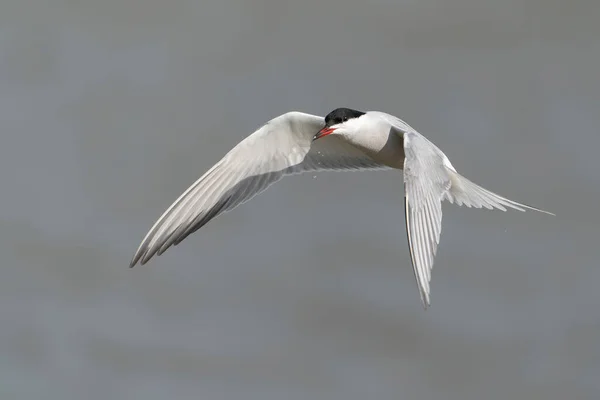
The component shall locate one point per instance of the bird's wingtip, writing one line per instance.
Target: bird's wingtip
(425, 301)
(136, 258)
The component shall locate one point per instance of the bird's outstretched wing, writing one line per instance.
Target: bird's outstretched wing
(282, 146)
(425, 183)
(429, 178)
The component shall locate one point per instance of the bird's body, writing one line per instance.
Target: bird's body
(345, 139)
(379, 142)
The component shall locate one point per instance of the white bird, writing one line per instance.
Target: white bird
(345, 139)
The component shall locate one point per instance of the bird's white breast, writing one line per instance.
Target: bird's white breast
(381, 143)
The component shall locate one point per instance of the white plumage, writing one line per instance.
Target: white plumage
(345, 139)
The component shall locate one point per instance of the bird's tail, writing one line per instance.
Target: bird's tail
(464, 192)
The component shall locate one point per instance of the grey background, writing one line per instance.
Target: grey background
(110, 109)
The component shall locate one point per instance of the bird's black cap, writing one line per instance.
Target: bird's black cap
(340, 115)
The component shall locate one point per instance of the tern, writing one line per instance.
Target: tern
(345, 139)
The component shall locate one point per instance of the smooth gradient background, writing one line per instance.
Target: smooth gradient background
(110, 109)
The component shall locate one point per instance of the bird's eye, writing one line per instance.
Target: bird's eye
(344, 119)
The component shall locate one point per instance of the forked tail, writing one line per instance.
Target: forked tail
(464, 192)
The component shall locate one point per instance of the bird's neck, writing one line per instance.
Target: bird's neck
(380, 143)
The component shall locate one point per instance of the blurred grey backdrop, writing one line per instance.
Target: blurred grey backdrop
(110, 109)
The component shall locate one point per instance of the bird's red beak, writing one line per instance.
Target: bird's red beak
(324, 132)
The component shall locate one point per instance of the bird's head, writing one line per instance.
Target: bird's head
(340, 121)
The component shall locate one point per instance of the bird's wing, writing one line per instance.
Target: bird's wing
(429, 178)
(282, 146)
(426, 181)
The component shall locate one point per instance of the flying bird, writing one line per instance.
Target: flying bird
(345, 139)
